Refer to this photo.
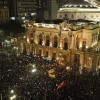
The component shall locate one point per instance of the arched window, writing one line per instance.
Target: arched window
(40, 39)
(47, 40)
(65, 57)
(77, 59)
(31, 34)
(72, 16)
(46, 54)
(40, 52)
(31, 41)
(60, 16)
(24, 48)
(55, 44)
(65, 44)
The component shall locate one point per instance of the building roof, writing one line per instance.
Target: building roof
(78, 4)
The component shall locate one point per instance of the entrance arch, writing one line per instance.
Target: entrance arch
(46, 54)
(54, 56)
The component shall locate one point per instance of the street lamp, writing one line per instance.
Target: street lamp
(33, 65)
(12, 91)
(33, 70)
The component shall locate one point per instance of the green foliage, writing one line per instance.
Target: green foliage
(1, 32)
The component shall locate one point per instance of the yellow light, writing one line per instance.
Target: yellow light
(12, 91)
(80, 46)
(86, 47)
(28, 40)
(34, 70)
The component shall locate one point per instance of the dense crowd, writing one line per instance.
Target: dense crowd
(16, 73)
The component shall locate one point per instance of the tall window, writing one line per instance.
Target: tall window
(40, 39)
(77, 59)
(40, 52)
(46, 54)
(55, 41)
(47, 40)
(84, 45)
(65, 44)
(54, 56)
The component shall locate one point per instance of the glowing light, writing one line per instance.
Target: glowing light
(13, 97)
(80, 5)
(23, 18)
(28, 40)
(33, 66)
(86, 47)
(34, 70)
(80, 46)
(12, 91)
(12, 18)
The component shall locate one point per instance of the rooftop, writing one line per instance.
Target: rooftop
(78, 4)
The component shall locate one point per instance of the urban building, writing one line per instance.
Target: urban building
(26, 8)
(69, 43)
(22, 9)
(4, 15)
(4, 4)
(12, 8)
(4, 11)
(48, 8)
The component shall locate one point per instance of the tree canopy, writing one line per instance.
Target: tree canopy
(13, 27)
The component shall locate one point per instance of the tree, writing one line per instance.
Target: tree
(13, 28)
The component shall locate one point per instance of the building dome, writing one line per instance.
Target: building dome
(79, 9)
(78, 4)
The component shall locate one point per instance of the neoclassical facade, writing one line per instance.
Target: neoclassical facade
(65, 43)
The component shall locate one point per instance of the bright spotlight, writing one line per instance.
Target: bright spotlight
(33, 66)
(34, 70)
(12, 91)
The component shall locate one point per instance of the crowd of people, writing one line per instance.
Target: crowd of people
(16, 73)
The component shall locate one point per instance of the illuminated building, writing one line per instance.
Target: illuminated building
(26, 8)
(70, 43)
(76, 10)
